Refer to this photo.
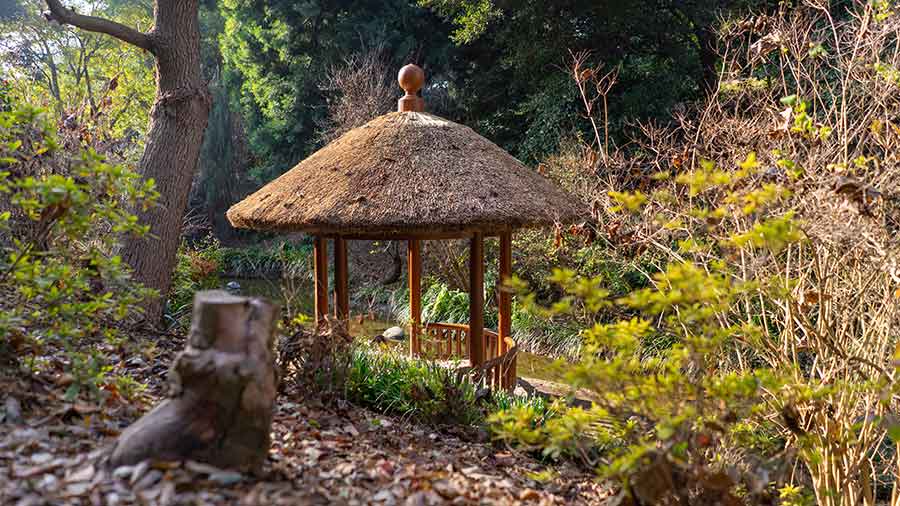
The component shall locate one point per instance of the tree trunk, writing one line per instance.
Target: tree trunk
(222, 390)
(172, 149)
(177, 122)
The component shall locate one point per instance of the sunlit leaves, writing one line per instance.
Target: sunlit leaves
(774, 234)
(757, 199)
(627, 201)
(704, 178)
(471, 18)
(61, 281)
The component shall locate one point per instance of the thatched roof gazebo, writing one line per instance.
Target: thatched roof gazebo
(413, 176)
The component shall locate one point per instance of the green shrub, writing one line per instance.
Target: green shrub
(282, 259)
(441, 303)
(392, 382)
(198, 267)
(62, 285)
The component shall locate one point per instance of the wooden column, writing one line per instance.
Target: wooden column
(504, 302)
(414, 268)
(341, 281)
(476, 299)
(320, 261)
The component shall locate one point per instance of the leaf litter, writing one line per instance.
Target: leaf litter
(54, 452)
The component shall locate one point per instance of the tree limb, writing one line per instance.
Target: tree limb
(68, 16)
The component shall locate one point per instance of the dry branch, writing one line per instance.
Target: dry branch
(68, 16)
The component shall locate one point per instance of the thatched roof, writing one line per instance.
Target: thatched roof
(405, 174)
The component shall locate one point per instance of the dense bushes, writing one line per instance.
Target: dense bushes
(766, 222)
(62, 285)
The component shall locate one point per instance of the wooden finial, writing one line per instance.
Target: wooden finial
(411, 79)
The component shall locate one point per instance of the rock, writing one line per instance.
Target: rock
(13, 411)
(394, 334)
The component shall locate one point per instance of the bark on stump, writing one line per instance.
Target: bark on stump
(222, 390)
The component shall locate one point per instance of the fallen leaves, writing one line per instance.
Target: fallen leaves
(58, 455)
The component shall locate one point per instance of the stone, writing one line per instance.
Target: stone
(394, 334)
(13, 411)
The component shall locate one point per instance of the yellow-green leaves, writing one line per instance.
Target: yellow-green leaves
(703, 179)
(685, 286)
(623, 336)
(755, 200)
(581, 293)
(804, 122)
(774, 234)
(62, 284)
(627, 201)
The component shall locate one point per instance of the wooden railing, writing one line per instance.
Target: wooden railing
(449, 341)
(444, 341)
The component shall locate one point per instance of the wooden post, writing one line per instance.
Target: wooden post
(414, 268)
(504, 301)
(341, 281)
(476, 299)
(320, 259)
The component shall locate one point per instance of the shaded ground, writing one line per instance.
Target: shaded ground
(551, 390)
(54, 452)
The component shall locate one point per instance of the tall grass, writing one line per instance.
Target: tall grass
(392, 382)
(559, 338)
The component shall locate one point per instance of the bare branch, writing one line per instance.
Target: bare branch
(67, 16)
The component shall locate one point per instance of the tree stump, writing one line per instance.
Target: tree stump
(222, 389)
